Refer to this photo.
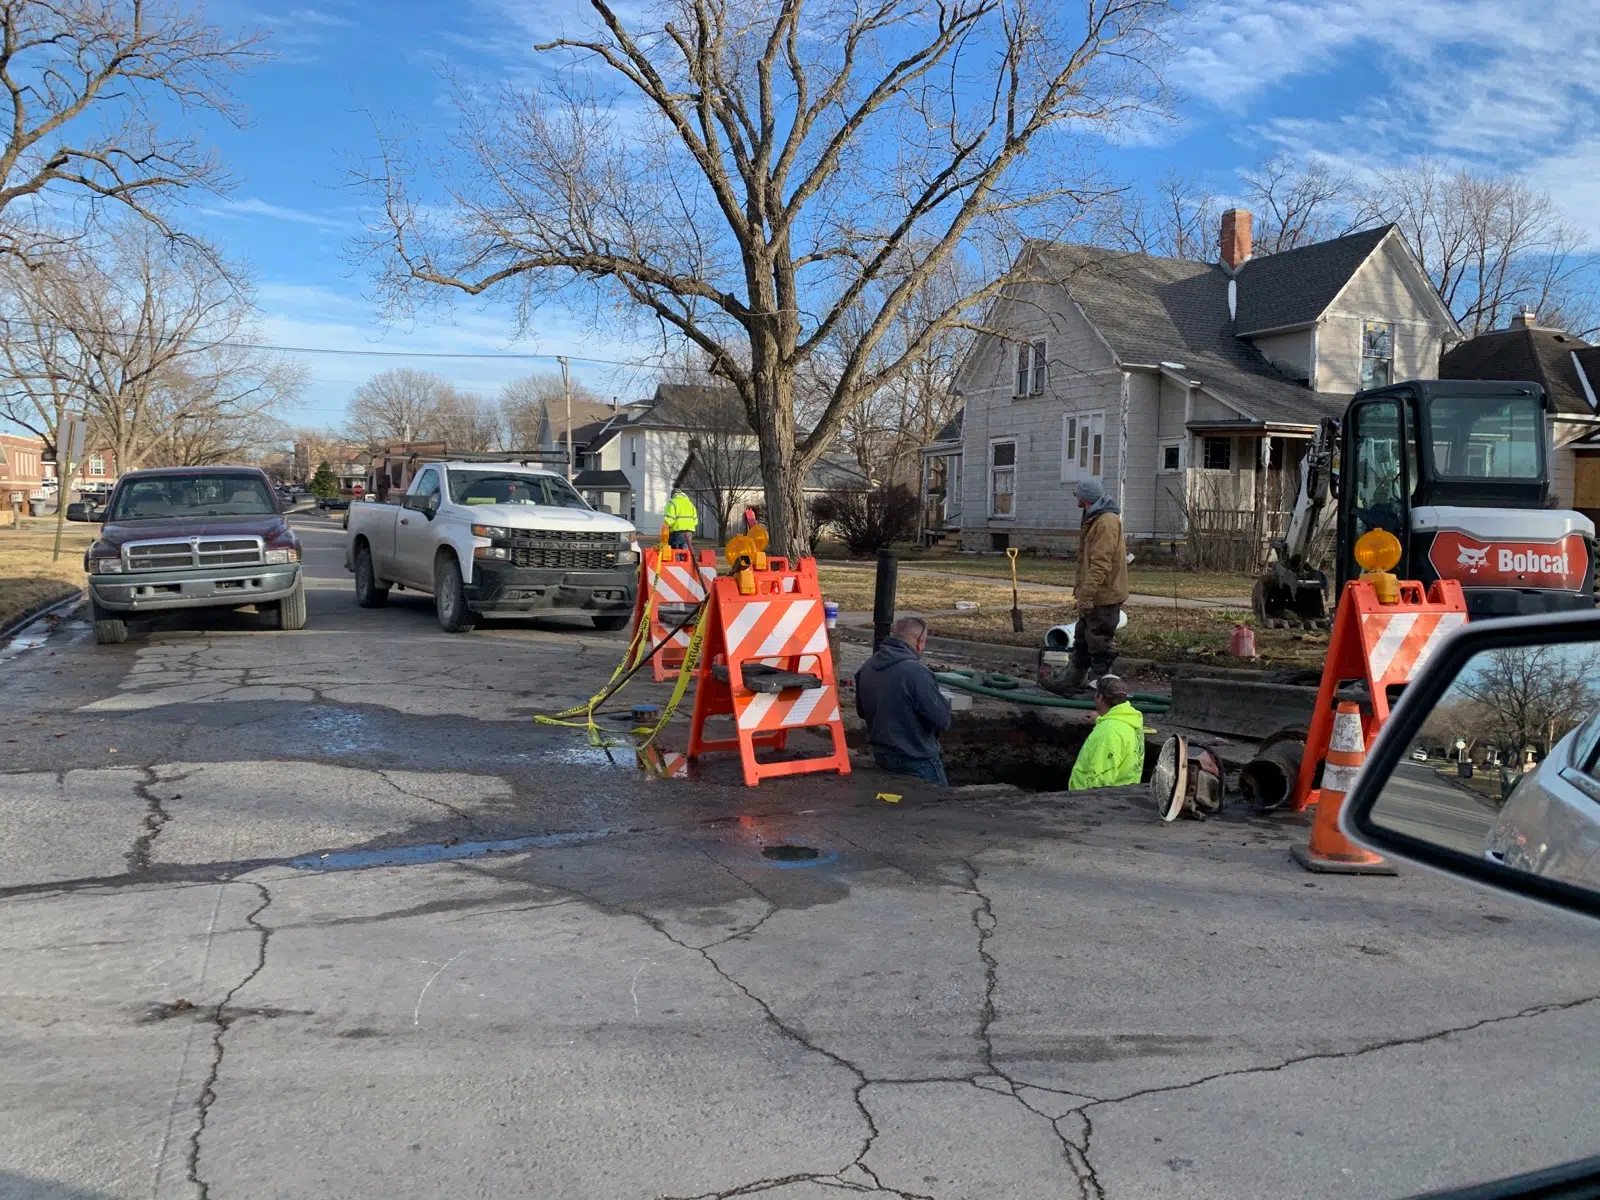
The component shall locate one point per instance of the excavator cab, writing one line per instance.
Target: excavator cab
(1459, 471)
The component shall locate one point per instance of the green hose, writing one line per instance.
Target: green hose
(1004, 687)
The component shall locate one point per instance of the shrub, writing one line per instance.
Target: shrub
(867, 522)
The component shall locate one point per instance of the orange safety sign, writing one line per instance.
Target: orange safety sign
(669, 579)
(767, 664)
(1383, 644)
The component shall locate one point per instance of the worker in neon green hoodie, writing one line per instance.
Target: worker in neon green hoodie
(1113, 755)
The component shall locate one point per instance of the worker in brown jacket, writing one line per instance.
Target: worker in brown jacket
(1101, 588)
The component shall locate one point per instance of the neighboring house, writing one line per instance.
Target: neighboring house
(706, 475)
(587, 415)
(941, 481)
(1568, 368)
(1187, 389)
(22, 470)
(97, 471)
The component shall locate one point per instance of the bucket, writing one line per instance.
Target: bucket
(830, 614)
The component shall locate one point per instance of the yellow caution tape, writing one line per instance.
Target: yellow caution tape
(891, 797)
(691, 657)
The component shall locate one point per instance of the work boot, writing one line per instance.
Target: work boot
(1070, 680)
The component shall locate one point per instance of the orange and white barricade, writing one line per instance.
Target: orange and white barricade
(778, 625)
(1384, 641)
(670, 584)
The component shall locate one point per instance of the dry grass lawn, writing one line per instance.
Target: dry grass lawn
(27, 575)
(851, 590)
(1191, 635)
(1152, 581)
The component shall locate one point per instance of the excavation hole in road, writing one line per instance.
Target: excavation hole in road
(788, 853)
(1026, 751)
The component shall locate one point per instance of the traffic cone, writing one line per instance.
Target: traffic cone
(1329, 851)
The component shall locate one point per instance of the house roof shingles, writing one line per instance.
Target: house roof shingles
(1295, 287)
(1533, 355)
(1167, 310)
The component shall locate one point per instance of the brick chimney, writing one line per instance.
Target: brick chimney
(1236, 238)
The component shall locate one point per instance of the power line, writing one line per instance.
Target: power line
(487, 355)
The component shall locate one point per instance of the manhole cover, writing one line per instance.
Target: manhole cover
(790, 853)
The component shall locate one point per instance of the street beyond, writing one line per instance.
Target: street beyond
(324, 913)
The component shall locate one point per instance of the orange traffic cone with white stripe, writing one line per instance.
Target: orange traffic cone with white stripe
(1329, 851)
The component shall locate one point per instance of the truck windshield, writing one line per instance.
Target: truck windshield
(500, 487)
(1486, 437)
(193, 496)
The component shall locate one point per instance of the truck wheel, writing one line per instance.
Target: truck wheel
(450, 597)
(368, 592)
(611, 624)
(109, 629)
(290, 612)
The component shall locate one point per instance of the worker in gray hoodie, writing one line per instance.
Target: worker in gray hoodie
(901, 703)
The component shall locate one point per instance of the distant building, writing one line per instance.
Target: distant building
(21, 470)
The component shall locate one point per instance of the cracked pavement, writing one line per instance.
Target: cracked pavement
(988, 994)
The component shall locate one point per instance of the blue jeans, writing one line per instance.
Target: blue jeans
(928, 769)
(678, 539)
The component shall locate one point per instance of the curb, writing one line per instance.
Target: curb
(68, 603)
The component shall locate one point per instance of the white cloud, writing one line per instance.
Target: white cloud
(252, 206)
(1486, 84)
(315, 16)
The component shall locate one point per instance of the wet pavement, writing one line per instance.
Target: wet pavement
(325, 913)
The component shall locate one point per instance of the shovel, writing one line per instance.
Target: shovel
(1016, 608)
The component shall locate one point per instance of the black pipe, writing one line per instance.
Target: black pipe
(883, 596)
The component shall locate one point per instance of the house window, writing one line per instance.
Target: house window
(1172, 456)
(1377, 354)
(1033, 369)
(1002, 478)
(1083, 438)
(1217, 453)
(97, 464)
(633, 450)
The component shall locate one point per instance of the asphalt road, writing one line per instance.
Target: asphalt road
(325, 914)
(1417, 801)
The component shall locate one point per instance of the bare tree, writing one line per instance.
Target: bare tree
(1177, 218)
(395, 406)
(465, 421)
(85, 85)
(780, 165)
(1530, 695)
(1491, 244)
(43, 365)
(154, 332)
(523, 403)
(1295, 204)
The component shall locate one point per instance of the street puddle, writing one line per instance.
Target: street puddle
(432, 852)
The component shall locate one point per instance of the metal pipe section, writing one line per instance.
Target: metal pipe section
(883, 596)
(1267, 780)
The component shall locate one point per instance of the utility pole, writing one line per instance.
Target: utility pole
(566, 386)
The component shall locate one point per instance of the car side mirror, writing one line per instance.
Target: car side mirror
(78, 511)
(1506, 790)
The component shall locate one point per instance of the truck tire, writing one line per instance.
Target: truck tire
(290, 612)
(450, 596)
(612, 624)
(369, 593)
(109, 629)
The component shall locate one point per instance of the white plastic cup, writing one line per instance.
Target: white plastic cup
(830, 614)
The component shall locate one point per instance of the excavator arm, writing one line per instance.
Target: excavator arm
(1293, 586)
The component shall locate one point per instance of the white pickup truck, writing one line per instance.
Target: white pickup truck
(494, 540)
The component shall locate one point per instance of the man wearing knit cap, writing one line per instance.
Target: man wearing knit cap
(1102, 584)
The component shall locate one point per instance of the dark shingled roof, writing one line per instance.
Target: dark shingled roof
(603, 481)
(1295, 287)
(1168, 310)
(951, 430)
(826, 474)
(694, 406)
(1542, 356)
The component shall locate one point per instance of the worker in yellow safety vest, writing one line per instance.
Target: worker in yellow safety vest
(682, 520)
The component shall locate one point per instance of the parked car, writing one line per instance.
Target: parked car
(1419, 755)
(191, 537)
(494, 540)
(333, 503)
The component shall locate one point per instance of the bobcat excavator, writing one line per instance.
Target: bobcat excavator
(1459, 471)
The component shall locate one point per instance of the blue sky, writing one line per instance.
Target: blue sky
(1363, 83)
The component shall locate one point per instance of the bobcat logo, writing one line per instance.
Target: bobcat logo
(1473, 559)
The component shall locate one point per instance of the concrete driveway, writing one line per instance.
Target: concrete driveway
(325, 914)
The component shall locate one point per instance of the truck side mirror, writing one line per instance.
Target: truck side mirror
(77, 511)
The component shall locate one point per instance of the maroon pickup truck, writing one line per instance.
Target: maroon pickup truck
(192, 537)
